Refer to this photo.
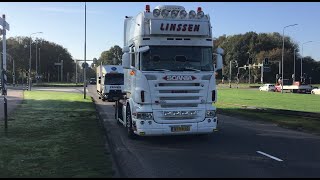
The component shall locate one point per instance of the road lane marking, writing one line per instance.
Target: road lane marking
(272, 157)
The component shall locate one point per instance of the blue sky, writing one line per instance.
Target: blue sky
(63, 22)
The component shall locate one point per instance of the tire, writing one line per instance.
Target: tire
(130, 132)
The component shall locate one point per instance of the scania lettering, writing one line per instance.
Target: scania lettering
(110, 82)
(169, 73)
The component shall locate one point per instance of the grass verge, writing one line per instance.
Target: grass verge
(54, 134)
(293, 111)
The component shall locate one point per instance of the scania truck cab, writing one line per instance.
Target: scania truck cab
(169, 73)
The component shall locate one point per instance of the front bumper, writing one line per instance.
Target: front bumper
(156, 129)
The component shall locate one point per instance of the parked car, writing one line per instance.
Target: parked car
(92, 81)
(267, 87)
(315, 91)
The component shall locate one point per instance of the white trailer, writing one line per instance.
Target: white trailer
(296, 87)
(169, 73)
(110, 82)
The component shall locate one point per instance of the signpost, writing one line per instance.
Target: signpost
(5, 26)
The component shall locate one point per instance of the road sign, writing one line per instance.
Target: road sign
(85, 65)
(3, 22)
(57, 64)
(266, 69)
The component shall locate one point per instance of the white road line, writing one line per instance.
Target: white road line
(272, 157)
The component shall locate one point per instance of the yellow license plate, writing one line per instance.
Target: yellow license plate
(180, 128)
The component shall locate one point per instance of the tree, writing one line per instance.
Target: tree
(259, 46)
(19, 49)
(112, 56)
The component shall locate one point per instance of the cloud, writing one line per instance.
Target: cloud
(68, 10)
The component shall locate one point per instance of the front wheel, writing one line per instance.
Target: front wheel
(130, 132)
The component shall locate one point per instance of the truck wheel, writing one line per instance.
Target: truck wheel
(130, 132)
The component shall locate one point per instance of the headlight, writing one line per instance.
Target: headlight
(156, 12)
(174, 13)
(144, 115)
(164, 13)
(210, 113)
(200, 14)
(192, 14)
(183, 14)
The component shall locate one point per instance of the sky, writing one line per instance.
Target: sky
(63, 22)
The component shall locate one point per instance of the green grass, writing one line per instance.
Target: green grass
(54, 134)
(58, 84)
(287, 101)
(237, 102)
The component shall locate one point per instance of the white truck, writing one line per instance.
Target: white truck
(295, 87)
(169, 73)
(110, 79)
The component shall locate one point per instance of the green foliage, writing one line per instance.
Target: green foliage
(19, 49)
(112, 56)
(259, 46)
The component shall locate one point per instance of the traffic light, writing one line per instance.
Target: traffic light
(250, 60)
(266, 61)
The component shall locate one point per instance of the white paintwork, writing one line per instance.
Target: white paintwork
(268, 155)
(315, 91)
(267, 87)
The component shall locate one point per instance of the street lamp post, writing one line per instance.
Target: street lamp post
(39, 63)
(283, 54)
(85, 50)
(294, 65)
(29, 78)
(59, 68)
(302, 58)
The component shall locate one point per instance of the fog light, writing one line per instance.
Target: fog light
(156, 12)
(211, 113)
(183, 14)
(209, 120)
(192, 14)
(150, 122)
(141, 122)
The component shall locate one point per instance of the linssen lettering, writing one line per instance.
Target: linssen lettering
(180, 27)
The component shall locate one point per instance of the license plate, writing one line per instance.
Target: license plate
(180, 128)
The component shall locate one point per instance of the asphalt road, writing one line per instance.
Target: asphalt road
(239, 149)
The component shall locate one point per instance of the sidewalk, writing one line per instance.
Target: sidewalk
(14, 98)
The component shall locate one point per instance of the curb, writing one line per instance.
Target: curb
(108, 146)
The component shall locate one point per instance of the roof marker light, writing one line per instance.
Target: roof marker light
(147, 8)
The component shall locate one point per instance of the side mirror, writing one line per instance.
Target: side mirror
(125, 49)
(99, 82)
(219, 63)
(126, 61)
(143, 49)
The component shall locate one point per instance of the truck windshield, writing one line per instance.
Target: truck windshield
(178, 58)
(113, 79)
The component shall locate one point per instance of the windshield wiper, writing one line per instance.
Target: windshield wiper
(193, 69)
(159, 70)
